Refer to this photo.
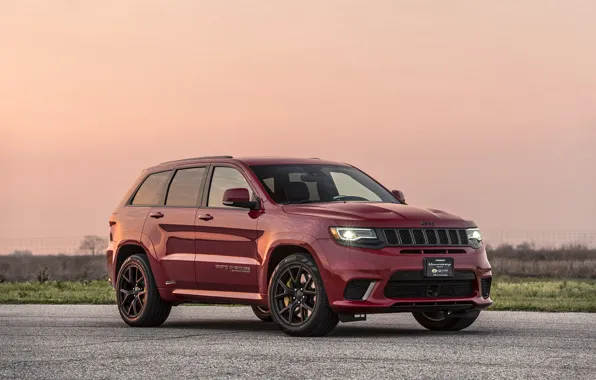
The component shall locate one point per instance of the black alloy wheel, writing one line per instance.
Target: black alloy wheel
(132, 291)
(295, 295)
(446, 321)
(139, 302)
(297, 298)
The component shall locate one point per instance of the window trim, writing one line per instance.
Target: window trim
(207, 188)
(201, 186)
(141, 183)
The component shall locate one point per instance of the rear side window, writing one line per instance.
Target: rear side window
(185, 187)
(152, 190)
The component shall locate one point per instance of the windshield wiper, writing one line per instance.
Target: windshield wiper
(301, 202)
(345, 198)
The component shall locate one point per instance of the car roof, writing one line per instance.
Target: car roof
(250, 161)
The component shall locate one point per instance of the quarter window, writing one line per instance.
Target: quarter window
(225, 178)
(152, 190)
(185, 187)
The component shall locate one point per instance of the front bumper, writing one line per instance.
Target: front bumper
(342, 264)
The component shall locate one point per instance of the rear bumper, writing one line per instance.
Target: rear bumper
(341, 265)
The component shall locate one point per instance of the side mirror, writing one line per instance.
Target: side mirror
(239, 197)
(399, 195)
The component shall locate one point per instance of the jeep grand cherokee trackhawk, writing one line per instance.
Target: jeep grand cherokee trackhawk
(306, 242)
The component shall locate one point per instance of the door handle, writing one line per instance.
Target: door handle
(205, 217)
(156, 215)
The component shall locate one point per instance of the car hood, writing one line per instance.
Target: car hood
(377, 214)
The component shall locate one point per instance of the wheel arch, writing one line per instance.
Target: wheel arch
(144, 246)
(282, 248)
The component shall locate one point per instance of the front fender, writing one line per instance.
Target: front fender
(302, 240)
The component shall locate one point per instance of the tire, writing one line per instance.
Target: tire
(449, 323)
(296, 286)
(140, 304)
(262, 313)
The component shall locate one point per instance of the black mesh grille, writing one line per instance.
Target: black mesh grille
(356, 289)
(431, 236)
(463, 237)
(421, 237)
(391, 237)
(406, 237)
(418, 237)
(413, 284)
(429, 289)
(443, 239)
(485, 283)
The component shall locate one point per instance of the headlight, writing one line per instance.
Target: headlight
(345, 234)
(474, 237)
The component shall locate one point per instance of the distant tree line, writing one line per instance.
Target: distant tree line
(522, 260)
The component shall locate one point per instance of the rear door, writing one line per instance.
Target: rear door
(226, 236)
(171, 225)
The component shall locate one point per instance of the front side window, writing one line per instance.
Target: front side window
(152, 190)
(185, 187)
(224, 178)
(290, 184)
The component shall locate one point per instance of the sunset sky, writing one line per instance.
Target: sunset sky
(487, 110)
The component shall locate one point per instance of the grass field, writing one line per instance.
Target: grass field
(526, 278)
(507, 293)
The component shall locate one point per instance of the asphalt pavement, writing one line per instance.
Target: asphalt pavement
(199, 342)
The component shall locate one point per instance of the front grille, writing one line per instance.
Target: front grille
(432, 251)
(356, 289)
(485, 284)
(391, 236)
(405, 237)
(413, 284)
(431, 237)
(419, 237)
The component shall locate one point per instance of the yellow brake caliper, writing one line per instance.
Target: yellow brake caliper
(288, 299)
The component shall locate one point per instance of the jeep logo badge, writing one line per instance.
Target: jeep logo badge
(425, 223)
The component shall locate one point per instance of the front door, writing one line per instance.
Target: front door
(171, 227)
(226, 249)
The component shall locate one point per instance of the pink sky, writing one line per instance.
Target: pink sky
(484, 110)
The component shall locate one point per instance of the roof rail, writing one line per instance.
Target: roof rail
(195, 158)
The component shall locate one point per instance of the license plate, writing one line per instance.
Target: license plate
(438, 267)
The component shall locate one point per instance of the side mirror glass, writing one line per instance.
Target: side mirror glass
(399, 195)
(239, 197)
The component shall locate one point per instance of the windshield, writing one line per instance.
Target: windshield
(292, 184)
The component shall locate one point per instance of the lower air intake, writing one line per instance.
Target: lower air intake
(355, 290)
(429, 289)
(485, 283)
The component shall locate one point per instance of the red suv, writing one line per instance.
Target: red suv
(306, 242)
